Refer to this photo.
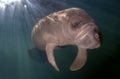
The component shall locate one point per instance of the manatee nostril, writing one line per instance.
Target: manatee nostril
(96, 36)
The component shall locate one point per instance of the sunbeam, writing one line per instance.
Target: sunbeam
(17, 19)
(5, 3)
(9, 1)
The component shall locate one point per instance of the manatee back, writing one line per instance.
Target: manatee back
(37, 35)
(48, 29)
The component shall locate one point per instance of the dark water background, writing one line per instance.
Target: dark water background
(19, 59)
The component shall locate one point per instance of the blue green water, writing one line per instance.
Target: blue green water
(19, 59)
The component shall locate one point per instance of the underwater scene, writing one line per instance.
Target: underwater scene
(21, 59)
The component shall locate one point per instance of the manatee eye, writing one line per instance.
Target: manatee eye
(75, 25)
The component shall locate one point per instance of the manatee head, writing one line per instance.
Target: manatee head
(81, 28)
(88, 37)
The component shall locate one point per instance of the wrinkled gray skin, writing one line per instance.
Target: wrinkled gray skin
(71, 26)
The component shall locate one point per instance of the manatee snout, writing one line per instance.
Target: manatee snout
(71, 26)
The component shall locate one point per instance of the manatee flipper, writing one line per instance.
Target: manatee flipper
(50, 55)
(80, 60)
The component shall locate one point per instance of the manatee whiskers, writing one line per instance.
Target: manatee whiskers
(84, 31)
(71, 26)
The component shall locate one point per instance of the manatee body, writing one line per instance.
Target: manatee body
(71, 26)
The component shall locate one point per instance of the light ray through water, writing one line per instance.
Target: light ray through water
(17, 19)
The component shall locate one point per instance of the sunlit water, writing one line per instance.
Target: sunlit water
(19, 59)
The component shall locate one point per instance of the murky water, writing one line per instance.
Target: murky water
(19, 59)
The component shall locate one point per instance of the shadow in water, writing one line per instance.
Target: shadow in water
(37, 55)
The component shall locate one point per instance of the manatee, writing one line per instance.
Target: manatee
(72, 26)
